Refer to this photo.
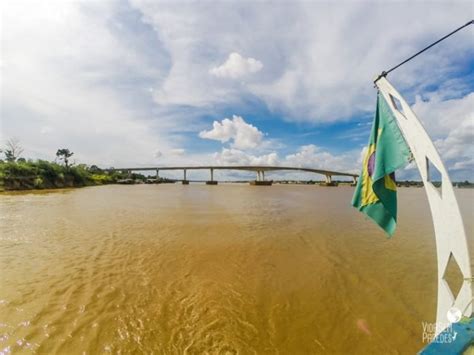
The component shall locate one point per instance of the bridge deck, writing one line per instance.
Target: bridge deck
(238, 167)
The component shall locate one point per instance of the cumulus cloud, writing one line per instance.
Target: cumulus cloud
(307, 156)
(242, 134)
(238, 157)
(320, 69)
(237, 66)
(312, 156)
(451, 123)
(72, 71)
(122, 76)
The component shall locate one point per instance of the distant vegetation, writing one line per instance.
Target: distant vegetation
(17, 173)
(41, 174)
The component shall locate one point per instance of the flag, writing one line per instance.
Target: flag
(376, 190)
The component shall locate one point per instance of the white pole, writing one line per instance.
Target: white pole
(448, 225)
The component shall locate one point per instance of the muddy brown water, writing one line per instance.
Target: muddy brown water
(214, 269)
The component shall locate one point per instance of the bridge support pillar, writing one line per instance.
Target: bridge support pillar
(157, 173)
(260, 175)
(261, 179)
(211, 182)
(354, 180)
(185, 181)
(329, 181)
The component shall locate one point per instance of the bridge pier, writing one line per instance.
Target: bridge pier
(157, 178)
(259, 170)
(260, 175)
(329, 181)
(211, 182)
(261, 182)
(185, 181)
(354, 181)
(261, 179)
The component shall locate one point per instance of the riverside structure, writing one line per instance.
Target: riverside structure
(258, 169)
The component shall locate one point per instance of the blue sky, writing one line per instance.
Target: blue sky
(140, 82)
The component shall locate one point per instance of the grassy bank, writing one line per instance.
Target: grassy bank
(41, 174)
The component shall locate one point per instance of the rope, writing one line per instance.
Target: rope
(385, 73)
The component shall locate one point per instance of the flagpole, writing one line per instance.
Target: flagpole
(451, 242)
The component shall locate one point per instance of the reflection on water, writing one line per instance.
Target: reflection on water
(222, 269)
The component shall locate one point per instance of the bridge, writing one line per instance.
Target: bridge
(258, 169)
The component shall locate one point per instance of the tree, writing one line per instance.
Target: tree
(94, 169)
(64, 154)
(13, 149)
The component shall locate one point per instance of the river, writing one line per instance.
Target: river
(170, 269)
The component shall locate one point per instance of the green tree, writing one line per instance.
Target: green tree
(64, 154)
(94, 169)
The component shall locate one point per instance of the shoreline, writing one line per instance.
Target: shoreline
(412, 184)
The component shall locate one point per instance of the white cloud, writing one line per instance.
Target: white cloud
(451, 125)
(238, 157)
(243, 134)
(237, 66)
(313, 156)
(64, 73)
(307, 156)
(178, 152)
(440, 114)
(320, 68)
(116, 82)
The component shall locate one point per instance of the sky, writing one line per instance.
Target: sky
(161, 83)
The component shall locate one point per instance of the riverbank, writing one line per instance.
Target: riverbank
(41, 174)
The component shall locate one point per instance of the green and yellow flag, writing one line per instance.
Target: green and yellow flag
(376, 191)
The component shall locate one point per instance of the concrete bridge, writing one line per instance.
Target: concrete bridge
(259, 170)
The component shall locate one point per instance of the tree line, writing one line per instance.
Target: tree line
(18, 173)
